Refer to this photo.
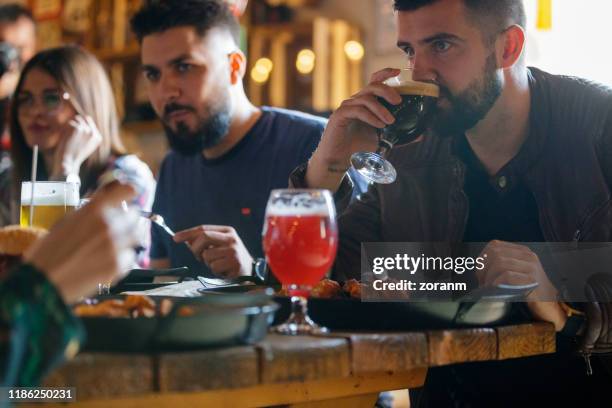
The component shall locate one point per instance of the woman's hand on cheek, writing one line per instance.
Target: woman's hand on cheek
(82, 138)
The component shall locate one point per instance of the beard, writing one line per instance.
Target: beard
(209, 131)
(470, 106)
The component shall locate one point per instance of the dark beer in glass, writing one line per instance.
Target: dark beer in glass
(412, 118)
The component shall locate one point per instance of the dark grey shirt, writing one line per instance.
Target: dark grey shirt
(233, 189)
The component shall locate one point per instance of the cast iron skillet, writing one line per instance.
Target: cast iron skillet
(219, 320)
(489, 307)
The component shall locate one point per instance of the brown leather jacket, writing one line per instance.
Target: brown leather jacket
(566, 162)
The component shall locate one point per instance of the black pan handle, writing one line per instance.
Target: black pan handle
(147, 275)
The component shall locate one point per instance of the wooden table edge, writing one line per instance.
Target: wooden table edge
(264, 394)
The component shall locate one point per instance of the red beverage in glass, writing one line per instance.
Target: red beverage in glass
(300, 249)
(300, 239)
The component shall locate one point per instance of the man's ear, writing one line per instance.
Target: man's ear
(237, 64)
(511, 47)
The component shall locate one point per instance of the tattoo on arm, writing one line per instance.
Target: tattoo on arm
(337, 169)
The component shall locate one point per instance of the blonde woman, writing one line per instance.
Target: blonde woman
(64, 104)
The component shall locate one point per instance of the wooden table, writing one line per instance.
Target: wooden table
(338, 370)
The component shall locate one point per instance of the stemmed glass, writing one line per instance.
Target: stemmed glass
(300, 239)
(411, 119)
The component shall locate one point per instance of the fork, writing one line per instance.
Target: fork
(157, 219)
(226, 282)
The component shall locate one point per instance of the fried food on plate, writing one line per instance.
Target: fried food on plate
(353, 288)
(326, 289)
(131, 306)
(330, 289)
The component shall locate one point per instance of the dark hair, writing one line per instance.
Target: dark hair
(80, 74)
(492, 16)
(10, 13)
(157, 16)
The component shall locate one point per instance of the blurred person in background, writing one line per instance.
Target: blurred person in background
(38, 330)
(227, 154)
(17, 32)
(17, 46)
(64, 104)
(17, 27)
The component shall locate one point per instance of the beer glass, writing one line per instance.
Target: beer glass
(300, 238)
(411, 120)
(52, 200)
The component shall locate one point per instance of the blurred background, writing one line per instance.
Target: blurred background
(307, 54)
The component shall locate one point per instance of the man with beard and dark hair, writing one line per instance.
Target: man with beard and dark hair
(227, 155)
(513, 155)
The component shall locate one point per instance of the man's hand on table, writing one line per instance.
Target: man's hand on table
(220, 248)
(513, 264)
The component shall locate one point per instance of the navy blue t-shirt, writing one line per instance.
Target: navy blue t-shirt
(233, 189)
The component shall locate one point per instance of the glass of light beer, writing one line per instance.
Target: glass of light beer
(412, 118)
(52, 201)
(300, 238)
